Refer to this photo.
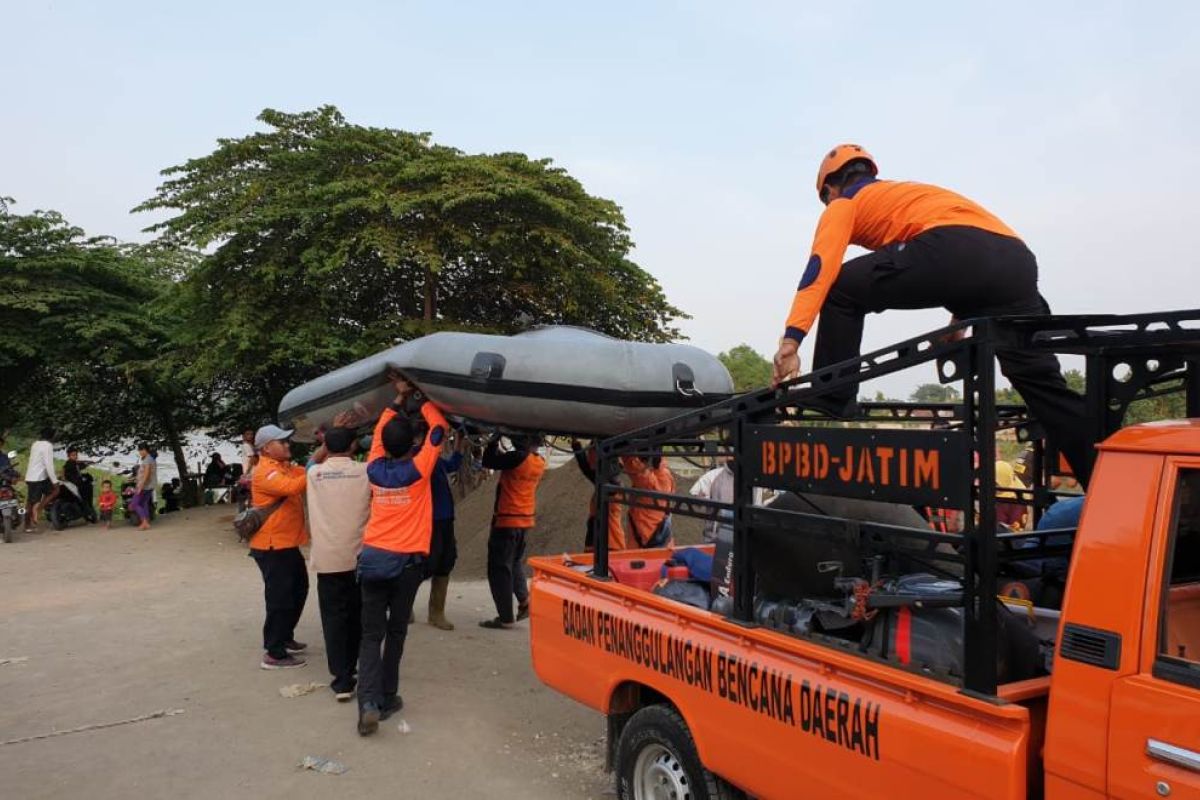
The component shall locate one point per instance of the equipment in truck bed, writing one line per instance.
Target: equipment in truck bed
(778, 444)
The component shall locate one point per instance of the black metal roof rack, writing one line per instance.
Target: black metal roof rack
(776, 443)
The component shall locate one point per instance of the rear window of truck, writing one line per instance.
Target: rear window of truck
(1179, 629)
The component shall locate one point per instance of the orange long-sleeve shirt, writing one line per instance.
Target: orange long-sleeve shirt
(645, 521)
(273, 480)
(876, 214)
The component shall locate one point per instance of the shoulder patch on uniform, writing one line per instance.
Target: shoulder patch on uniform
(811, 273)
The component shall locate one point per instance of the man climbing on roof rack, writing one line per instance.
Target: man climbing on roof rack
(932, 248)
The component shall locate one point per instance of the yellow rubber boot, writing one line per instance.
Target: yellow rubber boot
(438, 587)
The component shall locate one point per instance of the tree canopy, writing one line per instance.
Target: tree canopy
(88, 352)
(748, 368)
(328, 241)
(934, 393)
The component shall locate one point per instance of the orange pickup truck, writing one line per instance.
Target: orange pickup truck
(834, 657)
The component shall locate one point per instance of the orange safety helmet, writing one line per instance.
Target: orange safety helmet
(839, 157)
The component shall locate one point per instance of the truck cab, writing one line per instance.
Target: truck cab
(1124, 709)
(848, 656)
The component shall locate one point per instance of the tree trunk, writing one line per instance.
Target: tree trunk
(191, 491)
(430, 296)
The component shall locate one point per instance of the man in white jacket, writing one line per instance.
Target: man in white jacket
(39, 476)
(339, 503)
(717, 484)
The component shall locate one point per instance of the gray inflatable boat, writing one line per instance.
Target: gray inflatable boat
(555, 379)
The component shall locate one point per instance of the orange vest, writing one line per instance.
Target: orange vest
(401, 518)
(271, 481)
(516, 494)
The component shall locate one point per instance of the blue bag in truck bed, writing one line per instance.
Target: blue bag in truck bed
(699, 563)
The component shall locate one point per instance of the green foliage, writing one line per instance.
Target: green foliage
(935, 393)
(1168, 406)
(748, 368)
(87, 350)
(330, 241)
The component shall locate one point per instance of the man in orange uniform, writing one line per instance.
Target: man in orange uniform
(278, 487)
(933, 248)
(586, 459)
(521, 471)
(651, 527)
(395, 546)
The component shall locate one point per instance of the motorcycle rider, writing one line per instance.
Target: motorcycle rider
(74, 471)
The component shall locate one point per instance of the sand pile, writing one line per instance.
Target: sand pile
(563, 499)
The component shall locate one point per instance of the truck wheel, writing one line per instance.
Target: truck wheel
(657, 760)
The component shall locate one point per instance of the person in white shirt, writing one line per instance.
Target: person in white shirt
(39, 476)
(339, 502)
(249, 456)
(717, 484)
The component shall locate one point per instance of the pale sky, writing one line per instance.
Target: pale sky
(1077, 123)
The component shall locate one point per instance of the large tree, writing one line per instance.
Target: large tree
(89, 350)
(935, 393)
(328, 241)
(748, 368)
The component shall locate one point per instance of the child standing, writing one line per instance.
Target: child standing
(107, 502)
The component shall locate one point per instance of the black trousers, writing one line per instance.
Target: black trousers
(341, 622)
(386, 606)
(443, 549)
(506, 570)
(971, 273)
(285, 588)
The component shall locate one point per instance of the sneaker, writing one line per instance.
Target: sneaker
(495, 624)
(343, 695)
(287, 662)
(390, 706)
(368, 719)
(295, 647)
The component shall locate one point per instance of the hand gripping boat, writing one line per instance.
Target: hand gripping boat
(556, 379)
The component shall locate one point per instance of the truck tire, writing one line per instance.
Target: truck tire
(656, 758)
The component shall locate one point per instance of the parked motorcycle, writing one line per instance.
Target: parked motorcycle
(68, 504)
(11, 510)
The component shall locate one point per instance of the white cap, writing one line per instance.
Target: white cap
(270, 433)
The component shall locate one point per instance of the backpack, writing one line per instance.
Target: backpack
(248, 522)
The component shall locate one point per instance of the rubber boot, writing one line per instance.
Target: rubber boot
(437, 602)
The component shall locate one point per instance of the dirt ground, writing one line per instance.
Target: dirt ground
(109, 626)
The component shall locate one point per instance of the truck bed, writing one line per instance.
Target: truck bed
(860, 726)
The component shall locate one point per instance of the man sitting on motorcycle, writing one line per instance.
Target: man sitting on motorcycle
(74, 472)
